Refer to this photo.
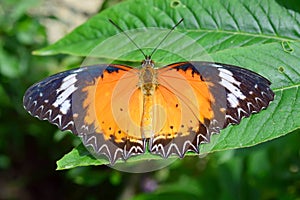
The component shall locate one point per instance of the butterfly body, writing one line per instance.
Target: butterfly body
(148, 77)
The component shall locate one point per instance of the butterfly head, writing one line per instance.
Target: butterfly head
(147, 62)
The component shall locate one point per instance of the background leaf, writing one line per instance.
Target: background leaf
(29, 147)
(262, 36)
(217, 26)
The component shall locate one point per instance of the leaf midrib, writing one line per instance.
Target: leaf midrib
(255, 35)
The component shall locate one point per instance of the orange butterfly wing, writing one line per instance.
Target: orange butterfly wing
(112, 111)
(188, 104)
(175, 119)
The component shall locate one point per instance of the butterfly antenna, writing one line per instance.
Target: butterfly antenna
(118, 27)
(154, 50)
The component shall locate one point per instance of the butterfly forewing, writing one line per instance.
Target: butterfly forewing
(246, 92)
(51, 100)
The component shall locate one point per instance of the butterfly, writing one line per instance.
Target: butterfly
(120, 111)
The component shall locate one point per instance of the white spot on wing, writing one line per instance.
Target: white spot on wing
(216, 65)
(65, 107)
(233, 89)
(67, 82)
(64, 95)
(234, 102)
(66, 88)
(227, 75)
(231, 84)
(78, 70)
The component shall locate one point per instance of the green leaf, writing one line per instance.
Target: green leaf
(283, 114)
(80, 156)
(217, 26)
(262, 36)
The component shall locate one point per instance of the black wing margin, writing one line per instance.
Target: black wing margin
(246, 91)
(51, 98)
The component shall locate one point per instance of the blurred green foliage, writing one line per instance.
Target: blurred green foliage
(29, 147)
